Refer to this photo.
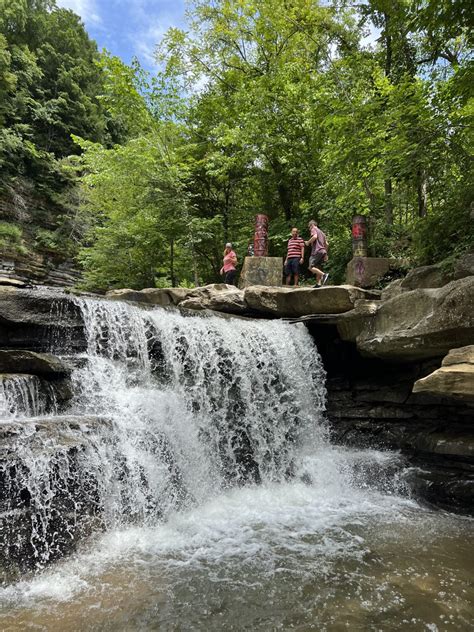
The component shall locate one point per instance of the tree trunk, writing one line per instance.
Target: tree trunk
(173, 278)
(388, 201)
(422, 187)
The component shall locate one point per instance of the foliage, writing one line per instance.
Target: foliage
(11, 239)
(261, 107)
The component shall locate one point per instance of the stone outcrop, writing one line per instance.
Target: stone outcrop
(42, 269)
(28, 318)
(32, 363)
(370, 404)
(455, 378)
(424, 323)
(293, 302)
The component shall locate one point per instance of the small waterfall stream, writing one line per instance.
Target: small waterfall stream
(198, 445)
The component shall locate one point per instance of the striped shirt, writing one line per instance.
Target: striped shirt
(295, 247)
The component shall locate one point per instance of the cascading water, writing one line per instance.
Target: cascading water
(198, 443)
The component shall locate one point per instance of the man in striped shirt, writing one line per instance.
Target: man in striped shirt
(294, 257)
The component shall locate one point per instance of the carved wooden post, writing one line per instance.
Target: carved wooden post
(359, 236)
(260, 240)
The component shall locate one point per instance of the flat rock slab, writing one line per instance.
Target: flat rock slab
(32, 363)
(455, 378)
(295, 302)
(11, 281)
(163, 297)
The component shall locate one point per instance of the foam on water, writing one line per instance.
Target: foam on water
(204, 448)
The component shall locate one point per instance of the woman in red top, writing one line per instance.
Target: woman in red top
(229, 263)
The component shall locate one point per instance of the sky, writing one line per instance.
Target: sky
(133, 28)
(128, 28)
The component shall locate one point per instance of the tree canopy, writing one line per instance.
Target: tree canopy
(275, 106)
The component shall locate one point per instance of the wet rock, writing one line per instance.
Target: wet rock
(34, 318)
(455, 378)
(23, 361)
(45, 458)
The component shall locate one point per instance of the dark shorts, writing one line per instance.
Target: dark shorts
(317, 259)
(230, 277)
(292, 266)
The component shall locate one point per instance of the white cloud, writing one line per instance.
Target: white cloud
(87, 9)
(151, 21)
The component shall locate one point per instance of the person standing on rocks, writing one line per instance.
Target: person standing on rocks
(294, 257)
(229, 264)
(319, 253)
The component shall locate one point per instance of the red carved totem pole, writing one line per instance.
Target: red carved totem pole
(260, 240)
(359, 236)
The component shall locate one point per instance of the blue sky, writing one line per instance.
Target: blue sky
(128, 28)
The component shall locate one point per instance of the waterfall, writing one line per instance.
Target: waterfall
(25, 395)
(168, 411)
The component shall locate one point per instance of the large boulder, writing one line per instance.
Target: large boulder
(294, 302)
(218, 296)
(367, 271)
(426, 277)
(420, 324)
(455, 378)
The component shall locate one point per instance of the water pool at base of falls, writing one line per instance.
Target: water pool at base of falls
(287, 556)
(224, 505)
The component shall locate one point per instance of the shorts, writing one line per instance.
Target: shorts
(316, 259)
(230, 277)
(292, 266)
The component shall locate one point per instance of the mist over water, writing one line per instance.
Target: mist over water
(223, 505)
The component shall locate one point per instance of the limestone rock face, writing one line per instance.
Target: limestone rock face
(36, 306)
(294, 302)
(424, 323)
(30, 362)
(351, 324)
(4, 280)
(266, 271)
(218, 297)
(455, 378)
(28, 317)
(425, 277)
